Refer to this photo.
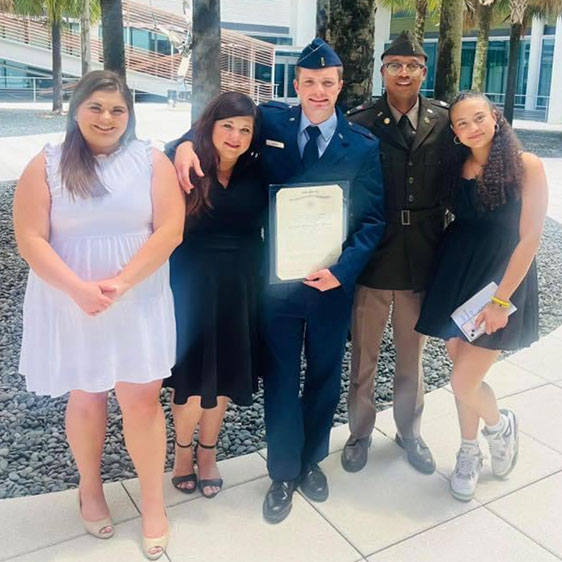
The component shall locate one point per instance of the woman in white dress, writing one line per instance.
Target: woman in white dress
(96, 218)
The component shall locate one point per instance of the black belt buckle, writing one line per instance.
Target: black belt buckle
(405, 217)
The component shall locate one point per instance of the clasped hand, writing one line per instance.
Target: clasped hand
(95, 297)
(493, 317)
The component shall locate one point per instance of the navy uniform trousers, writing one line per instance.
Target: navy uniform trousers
(295, 316)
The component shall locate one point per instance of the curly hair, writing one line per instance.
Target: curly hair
(501, 177)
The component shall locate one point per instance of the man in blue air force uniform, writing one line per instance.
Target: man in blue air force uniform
(311, 142)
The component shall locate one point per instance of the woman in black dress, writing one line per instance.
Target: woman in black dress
(214, 276)
(498, 195)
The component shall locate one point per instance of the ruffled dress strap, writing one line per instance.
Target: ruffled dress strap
(53, 153)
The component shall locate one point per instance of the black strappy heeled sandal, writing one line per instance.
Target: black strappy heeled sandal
(214, 482)
(177, 480)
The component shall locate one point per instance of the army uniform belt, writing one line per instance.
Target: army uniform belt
(407, 217)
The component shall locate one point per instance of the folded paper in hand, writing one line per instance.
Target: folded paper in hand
(465, 315)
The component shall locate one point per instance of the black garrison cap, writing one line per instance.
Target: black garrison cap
(405, 45)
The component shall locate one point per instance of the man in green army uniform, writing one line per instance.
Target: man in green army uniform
(411, 130)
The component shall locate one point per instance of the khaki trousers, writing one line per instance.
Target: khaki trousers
(371, 309)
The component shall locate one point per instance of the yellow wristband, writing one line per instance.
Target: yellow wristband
(500, 303)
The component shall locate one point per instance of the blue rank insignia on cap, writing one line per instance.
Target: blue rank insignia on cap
(318, 54)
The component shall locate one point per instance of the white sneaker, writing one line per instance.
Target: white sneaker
(466, 473)
(504, 445)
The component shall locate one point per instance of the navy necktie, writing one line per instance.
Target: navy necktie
(310, 152)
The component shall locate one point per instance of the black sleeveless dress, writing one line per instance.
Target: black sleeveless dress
(474, 251)
(215, 280)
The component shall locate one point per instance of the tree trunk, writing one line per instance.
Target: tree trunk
(323, 19)
(57, 65)
(112, 29)
(421, 13)
(206, 55)
(449, 55)
(352, 32)
(512, 69)
(481, 55)
(85, 47)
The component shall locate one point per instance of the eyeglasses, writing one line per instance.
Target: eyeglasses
(395, 68)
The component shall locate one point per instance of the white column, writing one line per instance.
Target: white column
(382, 35)
(555, 102)
(535, 54)
(303, 21)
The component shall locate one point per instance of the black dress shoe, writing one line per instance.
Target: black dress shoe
(314, 484)
(354, 454)
(419, 455)
(278, 501)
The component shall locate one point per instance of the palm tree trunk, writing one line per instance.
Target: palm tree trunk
(352, 31)
(449, 55)
(323, 19)
(57, 65)
(113, 43)
(85, 47)
(421, 13)
(481, 55)
(512, 69)
(206, 54)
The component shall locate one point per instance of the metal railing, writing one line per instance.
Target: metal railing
(239, 54)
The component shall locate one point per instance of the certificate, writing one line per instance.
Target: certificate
(308, 224)
(465, 315)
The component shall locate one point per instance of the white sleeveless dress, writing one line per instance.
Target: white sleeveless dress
(134, 340)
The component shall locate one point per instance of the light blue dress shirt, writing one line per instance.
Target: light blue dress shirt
(327, 130)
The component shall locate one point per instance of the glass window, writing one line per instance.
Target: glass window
(522, 72)
(546, 72)
(497, 70)
(467, 64)
(429, 84)
(291, 93)
(279, 80)
(140, 39)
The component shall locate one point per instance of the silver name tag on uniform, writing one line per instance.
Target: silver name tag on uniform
(274, 143)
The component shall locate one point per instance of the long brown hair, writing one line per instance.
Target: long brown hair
(228, 104)
(501, 176)
(78, 166)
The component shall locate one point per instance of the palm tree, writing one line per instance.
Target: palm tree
(323, 19)
(205, 54)
(485, 12)
(422, 9)
(521, 12)
(449, 49)
(352, 34)
(85, 47)
(112, 29)
(53, 10)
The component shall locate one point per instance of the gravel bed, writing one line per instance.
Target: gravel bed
(23, 122)
(546, 144)
(34, 456)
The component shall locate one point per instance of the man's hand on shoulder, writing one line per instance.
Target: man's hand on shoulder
(322, 280)
(185, 160)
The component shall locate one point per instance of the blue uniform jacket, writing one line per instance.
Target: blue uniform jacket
(352, 155)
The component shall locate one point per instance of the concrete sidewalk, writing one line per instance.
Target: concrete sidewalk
(388, 512)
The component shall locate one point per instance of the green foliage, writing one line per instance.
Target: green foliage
(55, 10)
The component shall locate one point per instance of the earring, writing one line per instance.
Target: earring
(456, 140)
(497, 127)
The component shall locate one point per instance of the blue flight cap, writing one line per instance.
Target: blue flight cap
(318, 54)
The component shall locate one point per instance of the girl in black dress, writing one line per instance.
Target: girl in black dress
(214, 276)
(498, 195)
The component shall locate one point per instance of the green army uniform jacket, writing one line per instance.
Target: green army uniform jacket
(414, 212)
